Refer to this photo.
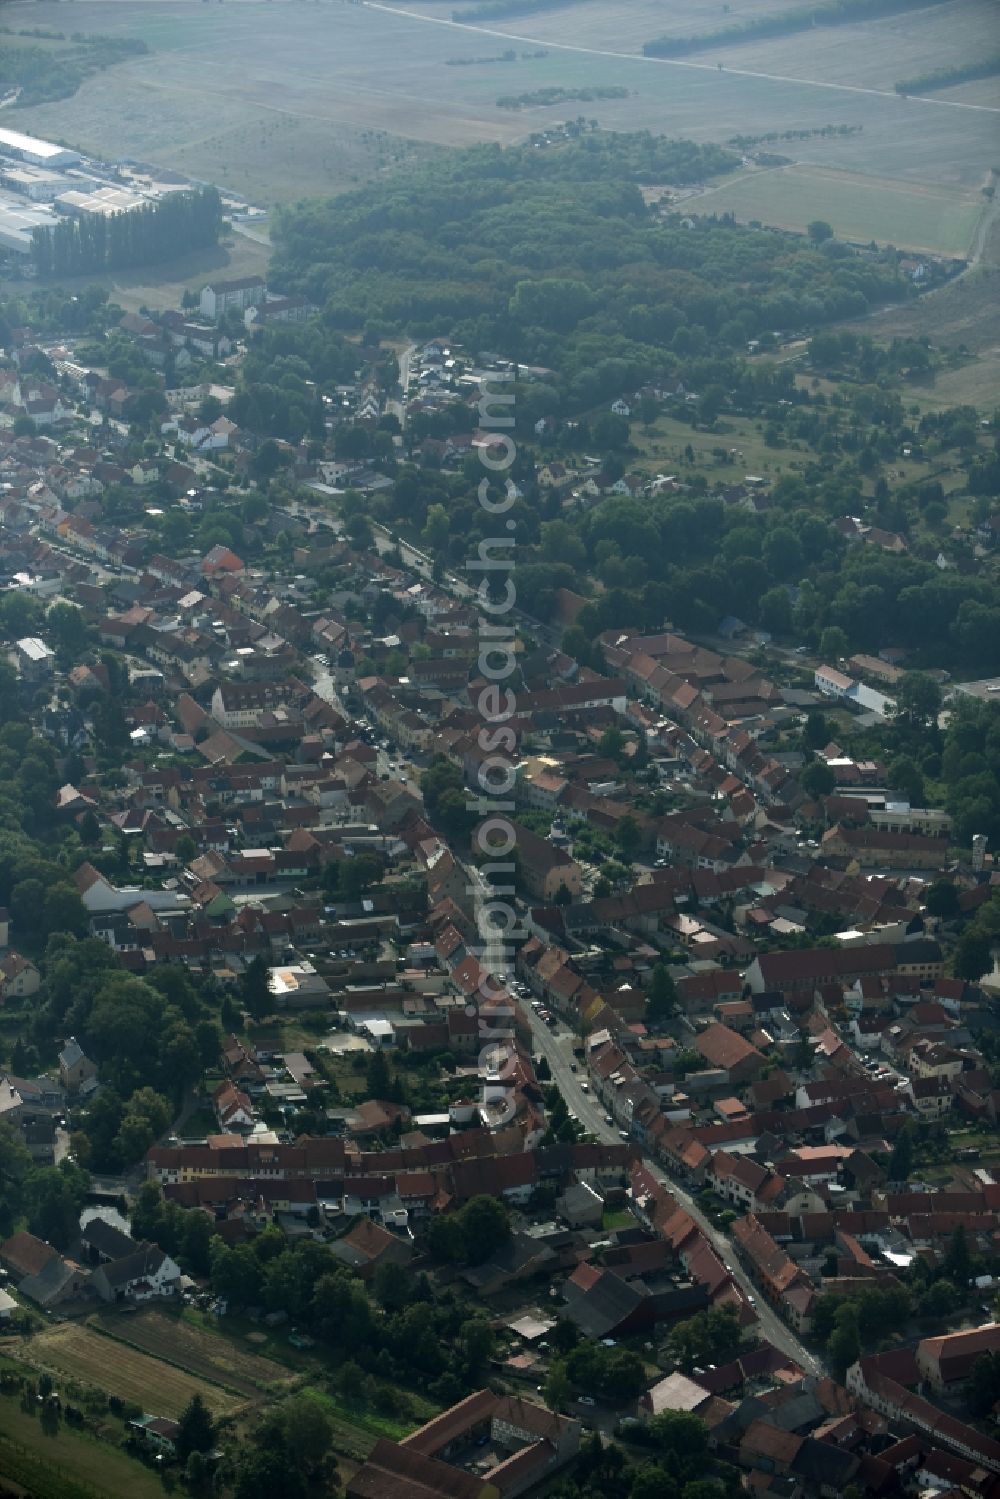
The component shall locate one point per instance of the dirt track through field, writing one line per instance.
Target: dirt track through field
(673, 62)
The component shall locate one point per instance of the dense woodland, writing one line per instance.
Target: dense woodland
(41, 74)
(471, 244)
(642, 298)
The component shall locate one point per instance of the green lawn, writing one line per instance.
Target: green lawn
(618, 1218)
(67, 1464)
(662, 447)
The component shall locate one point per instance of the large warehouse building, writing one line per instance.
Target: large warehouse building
(37, 153)
(18, 217)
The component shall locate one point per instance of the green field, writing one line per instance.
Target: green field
(915, 216)
(662, 450)
(66, 1464)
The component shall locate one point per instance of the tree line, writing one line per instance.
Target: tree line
(177, 223)
(784, 23)
(495, 10)
(553, 95)
(963, 72)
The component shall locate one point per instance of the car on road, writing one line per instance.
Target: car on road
(584, 1086)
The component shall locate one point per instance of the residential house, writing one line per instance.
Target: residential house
(948, 1360)
(19, 978)
(76, 1070)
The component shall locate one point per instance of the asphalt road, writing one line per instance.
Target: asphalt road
(556, 1045)
(397, 404)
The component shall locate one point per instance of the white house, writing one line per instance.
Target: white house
(99, 895)
(140, 1276)
(831, 682)
(223, 296)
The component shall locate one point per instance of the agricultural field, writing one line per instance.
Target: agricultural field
(74, 1350)
(280, 101)
(205, 1355)
(932, 219)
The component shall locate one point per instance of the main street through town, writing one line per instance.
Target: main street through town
(556, 1045)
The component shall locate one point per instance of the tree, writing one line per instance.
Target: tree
(817, 779)
(255, 989)
(983, 1389)
(359, 874)
(833, 644)
(476, 1341)
(905, 777)
(90, 827)
(308, 1430)
(901, 1160)
(236, 1273)
(557, 1386)
(819, 231)
(185, 848)
(485, 1227)
(681, 1433)
(196, 1429)
(651, 1481)
(957, 1263)
(15, 1166)
(973, 956)
(613, 1374)
(918, 698)
(661, 1000)
(612, 742)
(628, 836)
(817, 730)
(377, 1077)
(941, 900)
(844, 1343)
(53, 1197)
(393, 1285)
(775, 611)
(270, 1472)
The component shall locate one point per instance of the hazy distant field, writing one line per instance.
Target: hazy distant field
(933, 219)
(278, 100)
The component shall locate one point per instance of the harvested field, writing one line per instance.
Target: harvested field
(278, 101)
(202, 1354)
(77, 1351)
(929, 218)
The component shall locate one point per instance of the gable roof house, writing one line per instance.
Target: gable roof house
(727, 1050)
(19, 978)
(949, 1359)
(76, 1069)
(139, 1276)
